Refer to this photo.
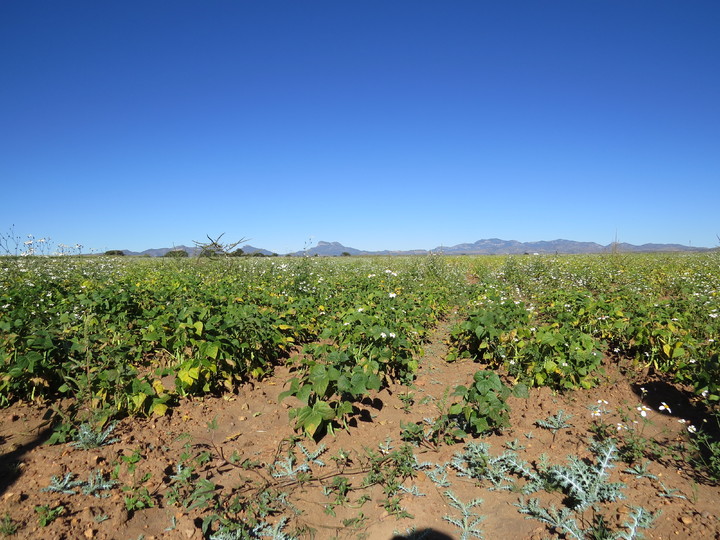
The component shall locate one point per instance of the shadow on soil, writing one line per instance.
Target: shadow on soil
(424, 534)
(10, 461)
(685, 407)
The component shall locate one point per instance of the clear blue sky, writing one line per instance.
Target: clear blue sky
(381, 124)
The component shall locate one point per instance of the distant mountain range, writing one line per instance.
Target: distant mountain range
(491, 246)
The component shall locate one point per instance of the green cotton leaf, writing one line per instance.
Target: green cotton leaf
(344, 384)
(320, 379)
(455, 409)
(520, 391)
(324, 410)
(483, 387)
(460, 391)
(304, 393)
(293, 390)
(211, 350)
(480, 424)
(373, 382)
(550, 366)
(358, 384)
(344, 408)
(301, 415)
(138, 400)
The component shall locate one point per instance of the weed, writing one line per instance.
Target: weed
(408, 400)
(706, 449)
(514, 445)
(413, 490)
(355, 522)
(556, 423)
(8, 527)
(46, 514)
(640, 470)
(275, 532)
(88, 438)
(340, 487)
(438, 475)
(137, 498)
(469, 521)
(586, 483)
(64, 485)
(561, 519)
(94, 485)
(670, 493)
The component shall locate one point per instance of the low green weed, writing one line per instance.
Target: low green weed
(8, 527)
(47, 514)
(137, 498)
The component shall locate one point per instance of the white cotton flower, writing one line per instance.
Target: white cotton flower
(643, 410)
(392, 295)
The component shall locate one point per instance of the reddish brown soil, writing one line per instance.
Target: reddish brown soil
(253, 424)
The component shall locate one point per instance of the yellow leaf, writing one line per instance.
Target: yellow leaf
(158, 387)
(159, 409)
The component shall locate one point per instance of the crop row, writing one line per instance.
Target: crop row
(550, 321)
(131, 337)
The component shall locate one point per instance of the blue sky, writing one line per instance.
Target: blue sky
(393, 124)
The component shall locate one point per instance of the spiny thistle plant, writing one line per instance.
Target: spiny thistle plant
(288, 468)
(556, 423)
(586, 483)
(469, 522)
(64, 484)
(88, 438)
(94, 485)
(566, 521)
